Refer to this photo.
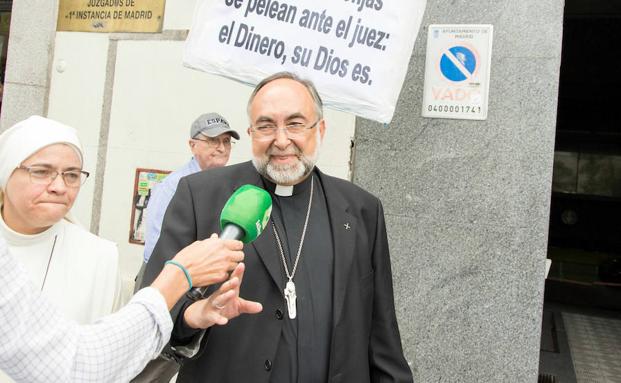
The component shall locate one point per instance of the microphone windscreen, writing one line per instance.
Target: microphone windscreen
(249, 208)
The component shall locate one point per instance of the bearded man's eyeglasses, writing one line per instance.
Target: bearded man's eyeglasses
(294, 129)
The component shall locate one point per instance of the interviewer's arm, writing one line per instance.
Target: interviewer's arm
(40, 345)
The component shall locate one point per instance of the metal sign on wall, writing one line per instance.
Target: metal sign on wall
(110, 15)
(457, 70)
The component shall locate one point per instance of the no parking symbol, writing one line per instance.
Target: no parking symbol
(458, 63)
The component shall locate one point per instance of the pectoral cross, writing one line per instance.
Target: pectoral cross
(290, 297)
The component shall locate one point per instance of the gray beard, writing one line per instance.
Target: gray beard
(286, 174)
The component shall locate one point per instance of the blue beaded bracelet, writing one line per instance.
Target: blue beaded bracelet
(185, 271)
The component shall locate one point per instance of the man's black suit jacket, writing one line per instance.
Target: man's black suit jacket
(366, 346)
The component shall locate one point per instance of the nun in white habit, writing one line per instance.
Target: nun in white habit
(40, 177)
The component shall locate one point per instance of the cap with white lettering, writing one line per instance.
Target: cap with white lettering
(211, 125)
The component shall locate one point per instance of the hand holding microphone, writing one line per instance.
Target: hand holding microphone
(202, 263)
(243, 217)
(211, 260)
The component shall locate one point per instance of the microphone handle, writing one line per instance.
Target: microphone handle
(230, 231)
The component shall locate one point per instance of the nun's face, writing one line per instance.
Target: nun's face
(32, 207)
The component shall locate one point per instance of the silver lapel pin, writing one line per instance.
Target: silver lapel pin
(347, 226)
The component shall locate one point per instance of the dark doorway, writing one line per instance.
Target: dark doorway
(585, 216)
(5, 22)
(584, 243)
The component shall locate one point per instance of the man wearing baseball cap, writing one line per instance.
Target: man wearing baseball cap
(210, 143)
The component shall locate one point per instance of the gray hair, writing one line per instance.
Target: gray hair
(290, 76)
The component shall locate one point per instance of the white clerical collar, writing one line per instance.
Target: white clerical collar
(287, 191)
(283, 190)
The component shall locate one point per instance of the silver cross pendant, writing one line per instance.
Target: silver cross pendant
(290, 297)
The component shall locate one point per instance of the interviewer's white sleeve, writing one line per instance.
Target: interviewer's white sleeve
(40, 345)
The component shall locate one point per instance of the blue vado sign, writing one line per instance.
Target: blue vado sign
(458, 63)
(457, 69)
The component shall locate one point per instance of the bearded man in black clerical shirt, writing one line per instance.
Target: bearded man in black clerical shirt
(321, 268)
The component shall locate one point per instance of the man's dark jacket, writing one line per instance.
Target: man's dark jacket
(366, 346)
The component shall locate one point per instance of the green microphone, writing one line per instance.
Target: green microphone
(243, 217)
(245, 214)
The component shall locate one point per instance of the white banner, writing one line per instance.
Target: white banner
(355, 51)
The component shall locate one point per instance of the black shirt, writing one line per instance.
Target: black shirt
(303, 353)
